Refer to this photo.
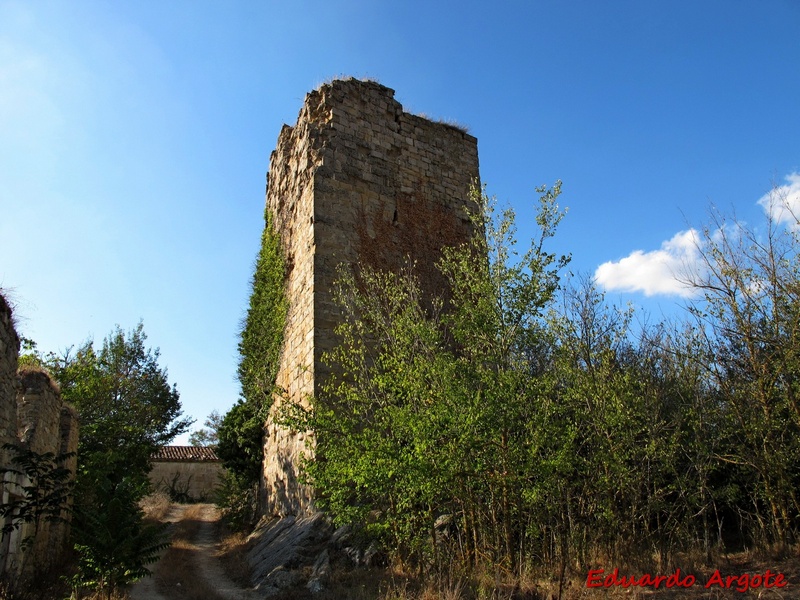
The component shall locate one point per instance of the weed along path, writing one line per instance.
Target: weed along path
(191, 568)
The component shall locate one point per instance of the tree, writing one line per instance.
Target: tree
(209, 434)
(239, 443)
(113, 542)
(127, 409)
(240, 448)
(426, 418)
(126, 405)
(749, 310)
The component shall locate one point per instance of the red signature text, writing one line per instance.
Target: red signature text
(598, 578)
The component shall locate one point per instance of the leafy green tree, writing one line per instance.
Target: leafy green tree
(127, 409)
(519, 420)
(126, 405)
(113, 542)
(239, 444)
(426, 418)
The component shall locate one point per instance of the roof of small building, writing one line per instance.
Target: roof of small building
(185, 453)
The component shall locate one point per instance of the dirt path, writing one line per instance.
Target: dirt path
(208, 563)
(204, 557)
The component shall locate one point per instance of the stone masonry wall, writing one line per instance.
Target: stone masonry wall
(39, 412)
(31, 414)
(9, 350)
(358, 181)
(198, 480)
(45, 425)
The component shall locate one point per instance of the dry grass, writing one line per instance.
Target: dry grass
(453, 124)
(51, 587)
(156, 506)
(350, 584)
(345, 77)
(232, 553)
(178, 576)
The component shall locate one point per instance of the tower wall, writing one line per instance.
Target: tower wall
(355, 181)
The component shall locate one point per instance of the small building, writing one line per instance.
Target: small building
(186, 473)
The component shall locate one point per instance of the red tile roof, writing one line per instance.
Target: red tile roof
(185, 453)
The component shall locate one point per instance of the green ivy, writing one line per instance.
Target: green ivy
(262, 331)
(240, 431)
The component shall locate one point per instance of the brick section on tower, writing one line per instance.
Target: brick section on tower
(355, 181)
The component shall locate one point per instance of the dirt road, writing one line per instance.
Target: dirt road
(191, 568)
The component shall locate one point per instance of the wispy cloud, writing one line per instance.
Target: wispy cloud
(654, 272)
(782, 204)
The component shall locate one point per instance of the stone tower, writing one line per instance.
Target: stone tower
(359, 181)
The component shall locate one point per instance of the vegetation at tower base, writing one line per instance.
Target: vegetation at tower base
(127, 409)
(240, 433)
(422, 429)
(523, 422)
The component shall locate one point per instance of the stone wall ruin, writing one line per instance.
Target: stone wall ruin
(33, 416)
(358, 181)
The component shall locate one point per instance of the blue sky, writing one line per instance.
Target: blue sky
(135, 138)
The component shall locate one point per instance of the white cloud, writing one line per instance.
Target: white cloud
(782, 204)
(653, 272)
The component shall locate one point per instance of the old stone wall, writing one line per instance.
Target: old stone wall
(38, 411)
(198, 480)
(9, 350)
(45, 425)
(33, 416)
(358, 181)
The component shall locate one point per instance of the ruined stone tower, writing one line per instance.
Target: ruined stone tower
(359, 181)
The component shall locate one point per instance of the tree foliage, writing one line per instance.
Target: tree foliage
(126, 405)
(208, 435)
(428, 419)
(749, 313)
(127, 409)
(523, 420)
(113, 542)
(45, 484)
